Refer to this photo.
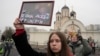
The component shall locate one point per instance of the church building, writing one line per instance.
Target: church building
(67, 21)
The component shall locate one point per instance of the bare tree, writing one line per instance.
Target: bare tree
(7, 34)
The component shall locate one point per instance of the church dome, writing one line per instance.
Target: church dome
(72, 13)
(65, 7)
(58, 12)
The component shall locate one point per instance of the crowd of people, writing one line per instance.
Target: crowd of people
(92, 44)
(58, 45)
(5, 46)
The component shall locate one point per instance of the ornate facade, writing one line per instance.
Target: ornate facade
(67, 21)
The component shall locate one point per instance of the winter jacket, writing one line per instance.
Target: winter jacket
(81, 48)
(23, 46)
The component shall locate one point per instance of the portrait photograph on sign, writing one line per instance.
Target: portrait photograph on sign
(36, 12)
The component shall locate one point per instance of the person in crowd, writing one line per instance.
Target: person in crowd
(92, 44)
(79, 46)
(56, 45)
(1, 48)
(8, 44)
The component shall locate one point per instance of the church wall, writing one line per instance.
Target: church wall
(81, 26)
(65, 12)
(57, 25)
(42, 37)
(94, 35)
(63, 20)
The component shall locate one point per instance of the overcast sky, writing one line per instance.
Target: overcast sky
(88, 11)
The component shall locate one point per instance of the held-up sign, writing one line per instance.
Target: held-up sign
(36, 12)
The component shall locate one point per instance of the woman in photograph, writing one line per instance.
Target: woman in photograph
(56, 46)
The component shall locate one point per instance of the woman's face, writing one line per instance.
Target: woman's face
(55, 43)
(74, 39)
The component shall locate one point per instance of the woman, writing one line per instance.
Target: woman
(57, 45)
(79, 46)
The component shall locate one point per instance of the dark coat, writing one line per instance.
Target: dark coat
(23, 46)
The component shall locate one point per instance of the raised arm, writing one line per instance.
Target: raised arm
(21, 43)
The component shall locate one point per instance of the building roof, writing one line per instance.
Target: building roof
(65, 7)
(73, 12)
(58, 12)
